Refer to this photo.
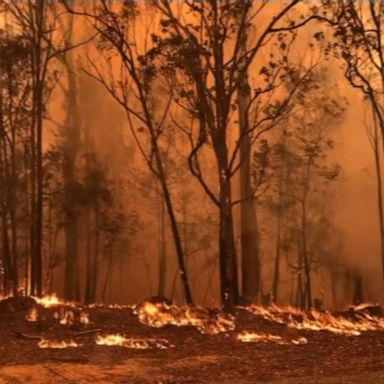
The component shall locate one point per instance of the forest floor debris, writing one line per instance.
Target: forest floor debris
(255, 348)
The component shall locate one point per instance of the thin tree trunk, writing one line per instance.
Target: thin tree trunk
(88, 255)
(162, 252)
(306, 262)
(276, 269)
(250, 266)
(95, 261)
(108, 276)
(7, 263)
(174, 226)
(376, 151)
(72, 142)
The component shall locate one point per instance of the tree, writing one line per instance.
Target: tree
(302, 177)
(36, 21)
(115, 25)
(15, 97)
(358, 42)
(206, 60)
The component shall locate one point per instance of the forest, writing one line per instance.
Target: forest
(218, 153)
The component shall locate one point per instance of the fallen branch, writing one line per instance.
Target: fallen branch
(86, 332)
(27, 336)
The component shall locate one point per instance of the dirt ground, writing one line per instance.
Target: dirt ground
(192, 357)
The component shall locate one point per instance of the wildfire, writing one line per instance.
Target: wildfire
(84, 318)
(32, 315)
(49, 301)
(320, 321)
(68, 318)
(57, 344)
(134, 343)
(253, 337)
(160, 314)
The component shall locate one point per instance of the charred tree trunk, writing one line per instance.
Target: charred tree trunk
(250, 262)
(227, 250)
(357, 288)
(39, 69)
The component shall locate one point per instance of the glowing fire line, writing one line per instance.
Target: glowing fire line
(130, 342)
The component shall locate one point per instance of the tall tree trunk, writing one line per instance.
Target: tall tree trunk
(95, 261)
(88, 255)
(227, 250)
(357, 288)
(379, 181)
(276, 268)
(162, 251)
(38, 73)
(250, 261)
(172, 219)
(108, 277)
(72, 141)
(7, 262)
(306, 261)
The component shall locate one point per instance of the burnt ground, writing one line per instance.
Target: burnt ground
(194, 358)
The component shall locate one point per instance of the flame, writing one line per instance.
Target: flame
(160, 314)
(321, 321)
(57, 344)
(84, 318)
(68, 318)
(48, 300)
(253, 337)
(32, 315)
(134, 343)
(52, 300)
(300, 341)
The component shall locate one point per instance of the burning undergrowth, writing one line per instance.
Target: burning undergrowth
(57, 344)
(61, 325)
(351, 323)
(206, 321)
(132, 342)
(253, 337)
(255, 342)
